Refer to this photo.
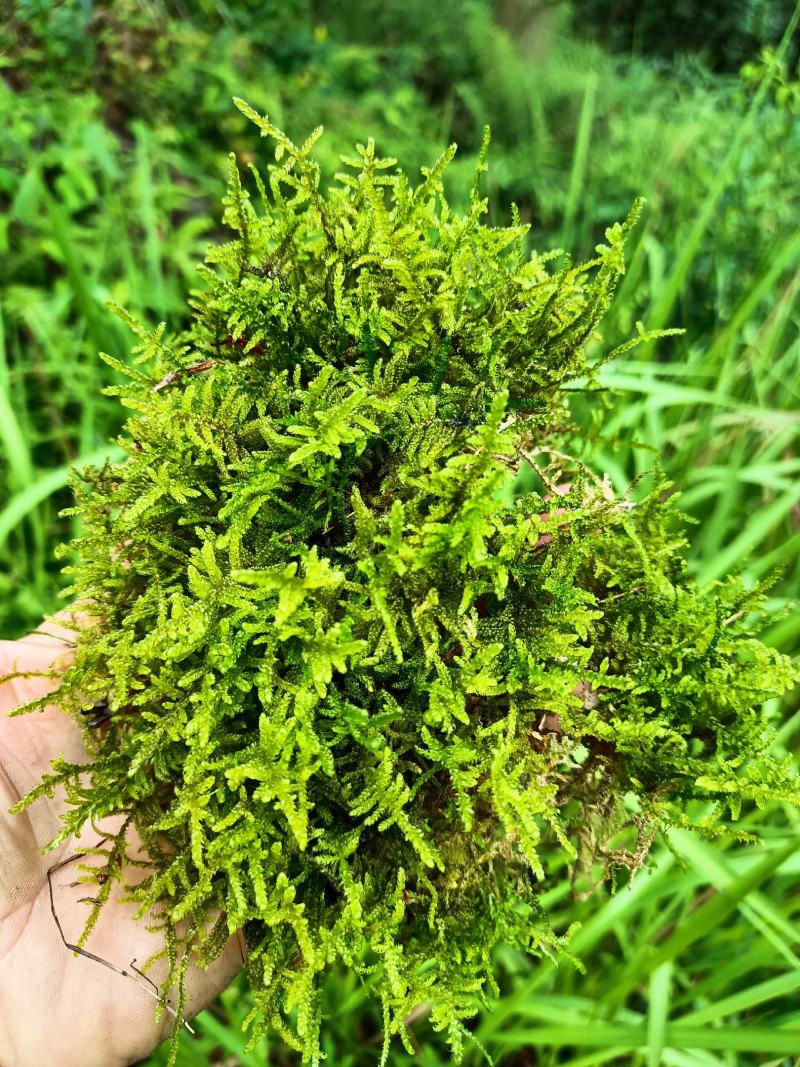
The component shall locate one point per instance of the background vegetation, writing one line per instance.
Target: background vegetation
(114, 123)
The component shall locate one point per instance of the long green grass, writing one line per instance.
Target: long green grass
(697, 963)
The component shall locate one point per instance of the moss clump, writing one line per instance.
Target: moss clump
(367, 680)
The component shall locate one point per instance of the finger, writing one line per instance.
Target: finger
(32, 671)
(20, 860)
(62, 629)
(28, 743)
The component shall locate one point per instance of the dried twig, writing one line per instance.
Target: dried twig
(153, 992)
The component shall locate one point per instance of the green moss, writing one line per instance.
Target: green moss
(366, 678)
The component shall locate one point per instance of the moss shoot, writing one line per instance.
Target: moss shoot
(382, 650)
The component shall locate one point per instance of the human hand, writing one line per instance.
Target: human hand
(57, 1007)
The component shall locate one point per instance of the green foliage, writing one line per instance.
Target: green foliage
(369, 683)
(724, 33)
(114, 120)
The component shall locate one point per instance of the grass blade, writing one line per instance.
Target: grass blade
(23, 502)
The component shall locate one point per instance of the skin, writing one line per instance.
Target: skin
(55, 1006)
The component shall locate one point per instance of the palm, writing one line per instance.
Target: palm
(55, 1006)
